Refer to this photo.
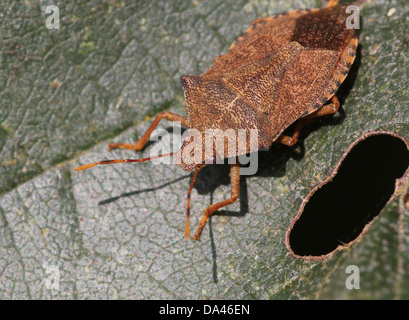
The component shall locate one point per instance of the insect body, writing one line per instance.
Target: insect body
(282, 70)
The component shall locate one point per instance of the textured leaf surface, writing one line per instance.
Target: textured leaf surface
(117, 232)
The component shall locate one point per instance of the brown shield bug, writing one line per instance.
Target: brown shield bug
(283, 69)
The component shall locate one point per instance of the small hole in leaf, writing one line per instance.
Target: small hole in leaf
(338, 211)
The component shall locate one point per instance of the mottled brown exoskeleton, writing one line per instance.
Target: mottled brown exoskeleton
(282, 70)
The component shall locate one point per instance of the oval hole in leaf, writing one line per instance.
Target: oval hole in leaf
(335, 213)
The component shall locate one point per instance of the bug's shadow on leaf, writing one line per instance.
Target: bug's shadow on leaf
(136, 192)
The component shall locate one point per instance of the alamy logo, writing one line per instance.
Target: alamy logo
(352, 281)
(53, 20)
(352, 22)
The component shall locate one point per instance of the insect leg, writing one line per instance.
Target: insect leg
(290, 141)
(323, 111)
(187, 226)
(142, 141)
(234, 195)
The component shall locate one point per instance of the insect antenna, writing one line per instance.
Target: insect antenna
(90, 165)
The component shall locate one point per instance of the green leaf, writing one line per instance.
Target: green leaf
(118, 231)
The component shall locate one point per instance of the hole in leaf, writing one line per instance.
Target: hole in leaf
(335, 213)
